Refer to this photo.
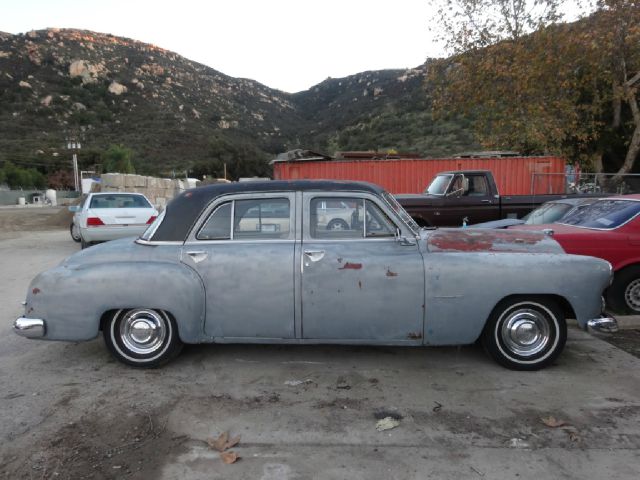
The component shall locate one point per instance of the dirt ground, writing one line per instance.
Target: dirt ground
(69, 411)
(25, 219)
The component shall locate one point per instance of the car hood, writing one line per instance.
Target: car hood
(487, 240)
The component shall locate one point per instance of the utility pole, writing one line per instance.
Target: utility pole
(74, 146)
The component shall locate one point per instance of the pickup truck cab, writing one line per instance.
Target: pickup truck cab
(466, 197)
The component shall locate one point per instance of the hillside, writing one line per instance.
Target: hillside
(176, 114)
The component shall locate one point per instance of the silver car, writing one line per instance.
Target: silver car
(255, 263)
(108, 216)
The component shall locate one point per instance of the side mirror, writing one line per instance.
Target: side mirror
(74, 208)
(402, 240)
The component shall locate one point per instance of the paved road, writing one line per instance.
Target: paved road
(69, 411)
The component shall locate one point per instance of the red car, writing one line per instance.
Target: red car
(608, 229)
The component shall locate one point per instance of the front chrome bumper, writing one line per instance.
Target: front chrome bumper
(603, 325)
(29, 327)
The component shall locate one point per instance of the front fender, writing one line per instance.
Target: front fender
(72, 298)
(462, 289)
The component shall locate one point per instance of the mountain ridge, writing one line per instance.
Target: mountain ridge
(177, 113)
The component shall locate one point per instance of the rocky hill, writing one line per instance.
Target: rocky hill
(177, 114)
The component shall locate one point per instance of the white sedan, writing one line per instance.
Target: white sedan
(107, 216)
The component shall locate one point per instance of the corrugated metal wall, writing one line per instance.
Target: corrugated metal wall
(514, 175)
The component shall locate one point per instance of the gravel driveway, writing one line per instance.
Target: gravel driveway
(69, 411)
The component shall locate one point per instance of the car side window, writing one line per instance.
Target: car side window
(265, 218)
(477, 186)
(218, 225)
(378, 224)
(345, 218)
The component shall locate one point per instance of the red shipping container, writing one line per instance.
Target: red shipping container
(513, 175)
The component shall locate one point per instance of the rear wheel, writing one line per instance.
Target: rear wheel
(142, 337)
(624, 293)
(75, 232)
(525, 333)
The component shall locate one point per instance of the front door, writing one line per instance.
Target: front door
(358, 281)
(244, 253)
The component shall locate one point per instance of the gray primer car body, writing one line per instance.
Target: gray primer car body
(427, 287)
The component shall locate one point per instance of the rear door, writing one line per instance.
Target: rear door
(243, 249)
(358, 282)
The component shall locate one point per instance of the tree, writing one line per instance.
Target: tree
(465, 25)
(17, 177)
(61, 180)
(563, 88)
(620, 26)
(118, 159)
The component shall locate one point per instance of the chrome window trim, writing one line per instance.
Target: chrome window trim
(232, 197)
(378, 201)
(213, 211)
(158, 242)
(237, 242)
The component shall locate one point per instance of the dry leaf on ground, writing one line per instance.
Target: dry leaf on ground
(553, 422)
(223, 442)
(229, 457)
(386, 423)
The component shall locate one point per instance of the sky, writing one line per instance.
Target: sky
(285, 44)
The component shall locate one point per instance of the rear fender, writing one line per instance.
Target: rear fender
(72, 300)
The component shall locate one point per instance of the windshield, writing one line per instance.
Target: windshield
(604, 214)
(547, 213)
(438, 185)
(151, 229)
(401, 212)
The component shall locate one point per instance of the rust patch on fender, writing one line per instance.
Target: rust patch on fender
(351, 266)
(390, 273)
(36, 291)
(414, 336)
(485, 241)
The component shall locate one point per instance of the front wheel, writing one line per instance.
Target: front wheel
(525, 333)
(624, 293)
(142, 337)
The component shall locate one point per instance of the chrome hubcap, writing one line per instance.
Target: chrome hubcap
(337, 226)
(143, 331)
(632, 295)
(525, 332)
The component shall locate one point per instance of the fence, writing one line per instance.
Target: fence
(10, 197)
(544, 183)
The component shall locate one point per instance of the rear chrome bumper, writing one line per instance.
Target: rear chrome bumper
(29, 327)
(603, 325)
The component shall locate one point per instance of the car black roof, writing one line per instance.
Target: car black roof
(184, 210)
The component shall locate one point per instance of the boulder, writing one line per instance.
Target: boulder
(117, 88)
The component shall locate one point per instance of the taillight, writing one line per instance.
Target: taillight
(94, 222)
(151, 219)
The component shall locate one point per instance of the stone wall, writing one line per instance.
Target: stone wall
(158, 190)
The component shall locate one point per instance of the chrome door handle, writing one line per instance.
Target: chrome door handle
(486, 201)
(314, 255)
(198, 256)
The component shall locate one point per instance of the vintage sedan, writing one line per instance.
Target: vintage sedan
(608, 229)
(204, 272)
